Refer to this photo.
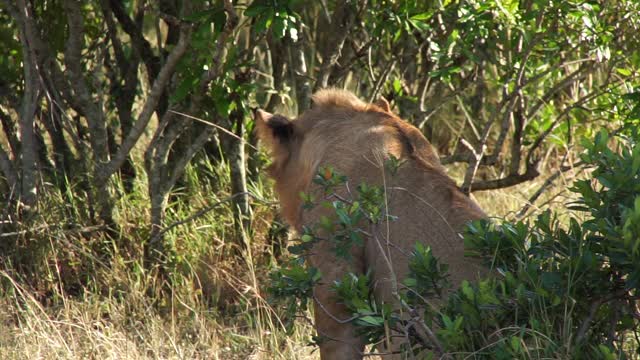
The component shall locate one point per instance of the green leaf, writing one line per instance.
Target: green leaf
(422, 16)
(373, 321)
(256, 9)
(186, 85)
(623, 71)
(397, 86)
(279, 27)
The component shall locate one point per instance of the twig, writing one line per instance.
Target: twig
(472, 168)
(381, 80)
(10, 174)
(343, 17)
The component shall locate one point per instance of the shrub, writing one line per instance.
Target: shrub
(564, 289)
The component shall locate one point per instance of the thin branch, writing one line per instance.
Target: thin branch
(221, 42)
(382, 79)
(472, 168)
(186, 156)
(467, 184)
(538, 141)
(326, 311)
(121, 59)
(578, 74)
(593, 309)
(230, 133)
(142, 46)
(10, 133)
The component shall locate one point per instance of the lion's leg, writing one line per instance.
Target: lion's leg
(387, 268)
(338, 337)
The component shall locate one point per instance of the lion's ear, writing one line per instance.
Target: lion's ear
(273, 129)
(383, 104)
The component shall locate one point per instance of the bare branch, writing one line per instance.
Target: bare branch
(538, 142)
(473, 165)
(10, 132)
(301, 76)
(550, 180)
(510, 180)
(595, 305)
(478, 153)
(382, 79)
(221, 53)
(186, 156)
(577, 75)
(121, 59)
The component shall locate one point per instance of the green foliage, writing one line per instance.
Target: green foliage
(427, 277)
(576, 280)
(276, 16)
(371, 318)
(294, 282)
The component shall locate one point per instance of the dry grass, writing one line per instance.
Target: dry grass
(129, 326)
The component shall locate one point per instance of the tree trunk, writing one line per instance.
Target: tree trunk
(154, 250)
(301, 76)
(28, 191)
(62, 156)
(236, 157)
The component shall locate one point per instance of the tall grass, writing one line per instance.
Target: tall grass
(60, 300)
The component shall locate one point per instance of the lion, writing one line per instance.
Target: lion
(355, 138)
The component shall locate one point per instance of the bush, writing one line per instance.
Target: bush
(561, 288)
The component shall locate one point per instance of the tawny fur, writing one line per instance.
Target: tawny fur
(355, 138)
